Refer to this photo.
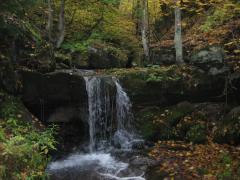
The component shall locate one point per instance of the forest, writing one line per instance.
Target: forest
(119, 89)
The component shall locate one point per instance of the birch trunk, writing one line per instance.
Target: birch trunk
(178, 36)
(145, 30)
(61, 25)
(50, 21)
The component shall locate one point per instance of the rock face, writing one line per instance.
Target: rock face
(101, 57)
(49, 92)
(163, 56)
(169, 85)
(210, 57)
(60, 96)
(8, 78)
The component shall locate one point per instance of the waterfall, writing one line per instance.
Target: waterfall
(123, 107)
(101, 113)
(99, 108)
(110, 123)
(94, 107)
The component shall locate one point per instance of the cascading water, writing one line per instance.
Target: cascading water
(123, 106)
(94, 107)
(124, 135)
(100, 112)
(110, 125)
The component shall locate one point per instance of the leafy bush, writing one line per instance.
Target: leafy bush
(217, 18)
(197, 134)
(225, 164)
(228, 131)
(23, 148)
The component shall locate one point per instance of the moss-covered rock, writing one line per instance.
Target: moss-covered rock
(161, 123)
(183, 121)
(169, 85)
(103, 57)
(212, 56)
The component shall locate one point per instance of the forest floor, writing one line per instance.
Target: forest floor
(180, 160)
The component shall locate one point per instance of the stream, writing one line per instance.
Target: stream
(111, 153)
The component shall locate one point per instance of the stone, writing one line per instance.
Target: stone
(185, 105)
(139, 161)
(67, 114)
(215, 71)
(159, 86)
(207, 58)
(235, 112)
(46, 93)
(164, 56)
(101, 57)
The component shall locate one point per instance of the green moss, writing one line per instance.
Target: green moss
(150, 74)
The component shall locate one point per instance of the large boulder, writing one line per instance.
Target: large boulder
(163, 56)
(46, 95)
(102, 57)
(209, 57)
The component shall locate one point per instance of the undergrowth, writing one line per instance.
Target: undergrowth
(23, 148)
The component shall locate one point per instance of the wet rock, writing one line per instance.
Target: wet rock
(138, 144)
(139, 161)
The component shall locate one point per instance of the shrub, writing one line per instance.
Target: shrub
(197, 134)
(23, 148)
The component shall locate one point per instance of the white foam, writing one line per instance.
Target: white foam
(82, 160)
(123, 178)
(104, 164)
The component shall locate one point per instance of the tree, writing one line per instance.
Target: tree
(178, 34)
(145, 30)
(61, 25)
(50, 21)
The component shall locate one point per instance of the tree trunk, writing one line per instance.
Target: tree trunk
(50, 21)
(61, 25)
(145, 31)
(178, 36)
(13, 51)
